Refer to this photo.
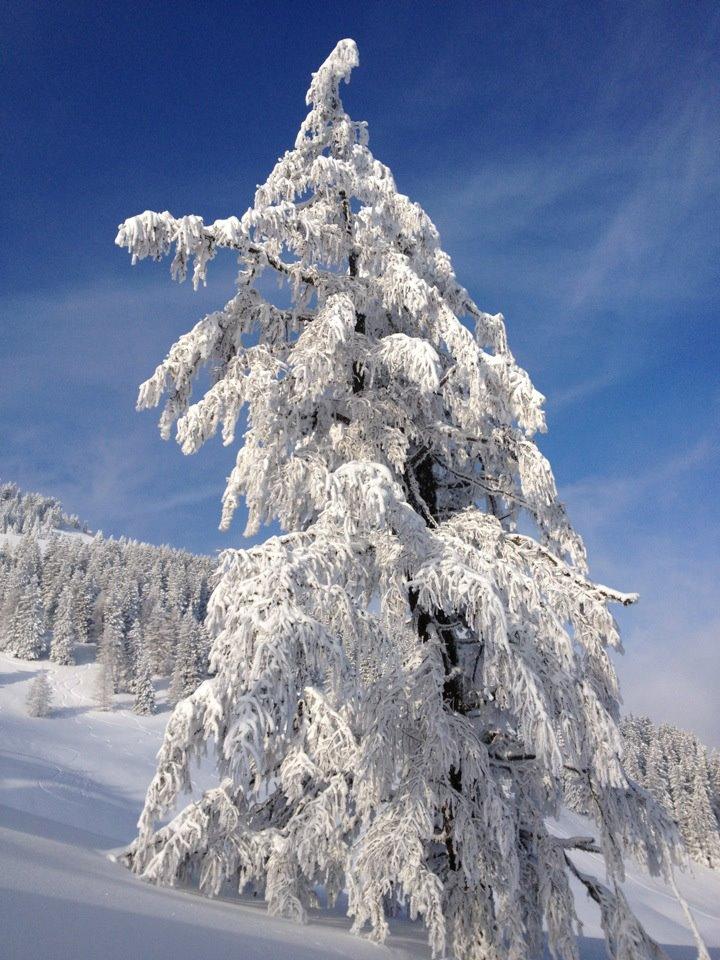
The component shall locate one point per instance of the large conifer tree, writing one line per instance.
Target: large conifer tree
(403, 680)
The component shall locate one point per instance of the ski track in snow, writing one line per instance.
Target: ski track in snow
(71, 788)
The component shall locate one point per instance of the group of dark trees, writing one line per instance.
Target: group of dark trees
(142, 606)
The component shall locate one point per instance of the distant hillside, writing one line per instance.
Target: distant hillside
(142, 606)
(679, 771)
(33, 513)
(682, 774)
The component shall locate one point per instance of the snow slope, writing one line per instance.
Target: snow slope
(71, 787)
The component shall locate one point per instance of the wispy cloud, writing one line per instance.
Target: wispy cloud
(620, 493)
(649, 246)
(599, 220)
(101, 334)
(565, 396)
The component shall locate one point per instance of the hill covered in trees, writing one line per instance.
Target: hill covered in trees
(34, 513)
(141, 606)
(680, 772)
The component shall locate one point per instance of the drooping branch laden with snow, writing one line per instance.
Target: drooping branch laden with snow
(402, 683)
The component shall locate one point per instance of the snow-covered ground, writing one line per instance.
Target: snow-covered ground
(71, 787)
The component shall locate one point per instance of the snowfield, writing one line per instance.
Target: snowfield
(71, 788)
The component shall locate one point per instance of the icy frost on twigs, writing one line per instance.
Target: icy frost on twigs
(324, 89)
(403, 685)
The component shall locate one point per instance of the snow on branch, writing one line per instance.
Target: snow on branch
(326, 80)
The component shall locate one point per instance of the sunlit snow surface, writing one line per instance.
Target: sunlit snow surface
(71, 788)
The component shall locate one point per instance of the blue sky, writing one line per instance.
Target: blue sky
(568, 153)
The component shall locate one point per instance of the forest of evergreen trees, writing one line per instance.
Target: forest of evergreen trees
(142, 606)
(33, 513)
(680, 772)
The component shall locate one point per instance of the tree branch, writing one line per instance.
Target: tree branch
(598, 589)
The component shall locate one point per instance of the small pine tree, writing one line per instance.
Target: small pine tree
(674, 745)
(177, 589)
(63, 634)
(656, 777)
(82, 609)
(39, 699)
(159, 632)
(632, 749)
(134, 643)
(28, 556)
(114, 646)
(714, 776)
(28, 623)
(144, 691)
(56, 572)
(9, 610)
(189, 669)
(131, 595)
(104, 682)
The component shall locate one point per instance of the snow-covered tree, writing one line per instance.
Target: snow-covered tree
(703, 829)
(52, 579)
(9, 608)
(104, 678)
(160, 630)
(177, 589)
(190, 667)
(113, 644)
(714, 781)
(144, 691)
(403, 679)
(656, 773)
(39, 699)
(29, 557)
(82, 613)
(28, 621)
(63, 633)
(20, 512)
(677, 769)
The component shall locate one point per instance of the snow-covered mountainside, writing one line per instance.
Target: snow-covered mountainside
(71, 787)
(683, 775)
(140, 606)
(34, 513)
